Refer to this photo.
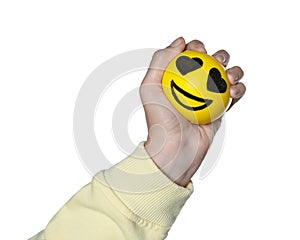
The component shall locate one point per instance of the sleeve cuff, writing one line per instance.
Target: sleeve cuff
(139, 184)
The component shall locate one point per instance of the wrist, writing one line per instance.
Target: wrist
(178, 158)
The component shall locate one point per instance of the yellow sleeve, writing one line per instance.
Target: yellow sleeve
(131, 200)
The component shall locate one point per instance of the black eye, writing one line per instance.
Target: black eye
(215, 82)
(186, 64)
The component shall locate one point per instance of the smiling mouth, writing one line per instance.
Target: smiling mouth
(206, 102)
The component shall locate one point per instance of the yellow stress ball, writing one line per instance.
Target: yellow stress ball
(197, 86)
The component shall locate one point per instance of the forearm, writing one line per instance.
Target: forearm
(131, 200)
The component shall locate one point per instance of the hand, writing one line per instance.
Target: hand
(177, 146)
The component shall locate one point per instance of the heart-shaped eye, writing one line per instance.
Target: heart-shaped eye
(215, 82)
(186, 64)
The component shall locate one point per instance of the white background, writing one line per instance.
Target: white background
(47, 50)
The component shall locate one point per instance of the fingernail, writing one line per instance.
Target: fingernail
(222, 58)
(176, 42)
(236, 78)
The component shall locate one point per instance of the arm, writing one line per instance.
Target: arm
(132, 200)
(140, 197)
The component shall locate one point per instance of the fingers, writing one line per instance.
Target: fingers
(196, 45)
(237, 96)
(235, 74)
(222, 56)
(161, 59)
(237, 91)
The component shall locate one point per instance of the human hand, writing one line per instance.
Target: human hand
(177, 146)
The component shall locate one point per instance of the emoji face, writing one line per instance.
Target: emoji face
(197, 86)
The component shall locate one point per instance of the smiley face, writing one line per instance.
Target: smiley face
(197, 86)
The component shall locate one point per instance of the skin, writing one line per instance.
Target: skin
(177, 146)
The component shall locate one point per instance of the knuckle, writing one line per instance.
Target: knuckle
(241, 71)
(159, 53)
(243, 86)
(196, 41)
(141, 91)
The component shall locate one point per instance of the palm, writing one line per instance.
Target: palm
(169, 132)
